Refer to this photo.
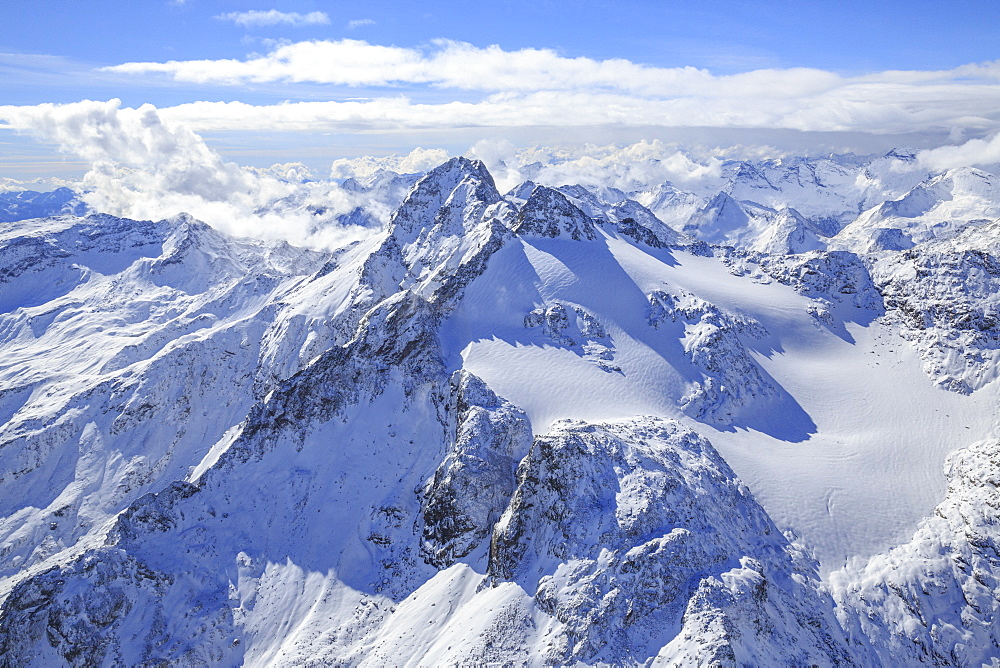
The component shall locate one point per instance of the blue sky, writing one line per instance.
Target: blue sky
(50, 50)
(590, 71)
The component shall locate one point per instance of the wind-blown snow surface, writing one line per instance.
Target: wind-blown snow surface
(535, 428)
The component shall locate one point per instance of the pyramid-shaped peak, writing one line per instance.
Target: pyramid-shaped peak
(447, 176)
(439, 187)
(521, 192)
(721, 216)
(458, 168)
(549, 213)
(721, 199)
(748, 175)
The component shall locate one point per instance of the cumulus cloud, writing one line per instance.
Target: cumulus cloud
(975, 152)
(358, 23)
(272, 17)
(146, 167)
(292, 172)
(147, 163)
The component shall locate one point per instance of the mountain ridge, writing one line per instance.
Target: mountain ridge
(536, 429)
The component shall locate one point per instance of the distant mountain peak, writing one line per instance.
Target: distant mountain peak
(549, 213)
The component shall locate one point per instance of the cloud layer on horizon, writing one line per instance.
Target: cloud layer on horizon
(539, 87)
(146, 165)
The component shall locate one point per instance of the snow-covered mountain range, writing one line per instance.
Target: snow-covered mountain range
(24, 204)
(751, 422)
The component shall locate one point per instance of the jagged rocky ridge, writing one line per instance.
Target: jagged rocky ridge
(940, 589)
(263, 455)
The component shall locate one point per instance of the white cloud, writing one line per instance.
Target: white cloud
(42, 184)
(538, 87)
(452, 64)
(272, 17)
(844, 110)
(146, 167)
(635, 166)
(358, 23)
(148, 163)
(291, 172)
(975, 152)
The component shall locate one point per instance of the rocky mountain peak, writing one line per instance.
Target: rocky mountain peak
(549, 213)
(521, 192)
(721, 215)
(441, 198)
(748, 175)
(24, 204)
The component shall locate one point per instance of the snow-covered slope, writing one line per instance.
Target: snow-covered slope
(829, 192)
(787, 205)
(535, 428)
(933, 599)
(135, 346)
(937, 208)
(725, 221)
(25, 204)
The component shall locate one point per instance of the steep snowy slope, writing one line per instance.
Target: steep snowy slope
(670, 204)
(938, 208)
(533, 429)
(725, 221)
(934, 599)
(134, 346)
(791, 388)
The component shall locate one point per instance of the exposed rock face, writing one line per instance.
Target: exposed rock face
(120, 618)
(833, 276)
(611, 209)
(838, 283)
(441, 236)
(576, 329)
(471, 487)
(633, 534)
(548, 213)
(946, 302)
(935, 600)
(712, 340)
